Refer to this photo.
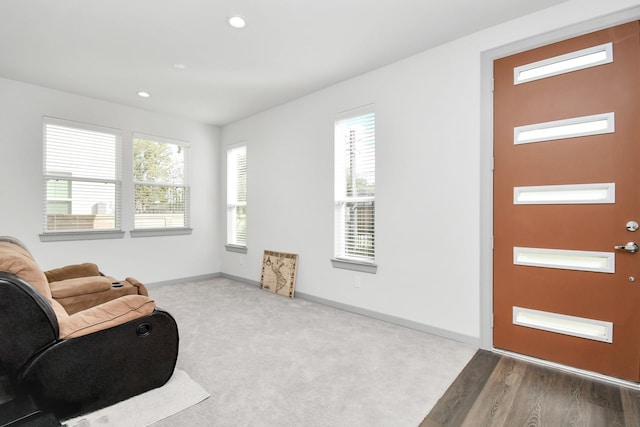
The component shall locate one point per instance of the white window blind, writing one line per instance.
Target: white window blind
(355, 187)
(82, 177)
(161, 183)
(237, 195)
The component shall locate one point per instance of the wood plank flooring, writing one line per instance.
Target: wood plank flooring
(495, 391)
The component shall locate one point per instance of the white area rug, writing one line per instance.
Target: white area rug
(179, 393)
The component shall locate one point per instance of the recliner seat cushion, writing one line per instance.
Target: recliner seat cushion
(80, 286)
(80, 294)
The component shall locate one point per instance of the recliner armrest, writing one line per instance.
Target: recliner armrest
(72, 271)
(80, 286)
(106, 315)
(142, 290)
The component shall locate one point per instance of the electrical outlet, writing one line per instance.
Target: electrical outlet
(241, 260)
(357, 281)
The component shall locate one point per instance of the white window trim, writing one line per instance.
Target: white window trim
(363, 267)
(117, 233)
(231, 246)
(341, 262)
(235, 248)
(155, 232)
(80, 235)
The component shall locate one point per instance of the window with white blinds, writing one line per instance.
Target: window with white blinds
(237, 195)
(355, 187)
(161, 183)
(82, 177)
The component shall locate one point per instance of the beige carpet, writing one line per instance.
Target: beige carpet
(179, 393)
(269, 361)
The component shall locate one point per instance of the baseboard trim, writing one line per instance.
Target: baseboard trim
(454, 336)
(240, 279)
(200, 278)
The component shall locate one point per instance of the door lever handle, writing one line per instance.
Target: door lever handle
(631, 247)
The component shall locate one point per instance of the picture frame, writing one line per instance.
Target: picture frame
(279, 272)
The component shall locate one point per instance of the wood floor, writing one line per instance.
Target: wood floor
(495, 390)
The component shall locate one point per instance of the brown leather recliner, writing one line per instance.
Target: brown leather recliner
(72, 364)
(80, 286)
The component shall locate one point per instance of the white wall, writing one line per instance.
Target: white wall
(428, 141)
(150, 259)
(428, 113)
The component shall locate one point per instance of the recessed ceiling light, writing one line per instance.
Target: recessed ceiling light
(179, 66)
(237, 22)
(144, 94)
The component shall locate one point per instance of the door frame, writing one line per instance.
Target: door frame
(486, 147)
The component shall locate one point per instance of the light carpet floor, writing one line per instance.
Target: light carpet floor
(269, 361)
(179, 393)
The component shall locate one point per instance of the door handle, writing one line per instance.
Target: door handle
(631, 247)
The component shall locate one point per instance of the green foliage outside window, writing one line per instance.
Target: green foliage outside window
(156, 163)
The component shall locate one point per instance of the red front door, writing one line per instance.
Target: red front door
(566, 192)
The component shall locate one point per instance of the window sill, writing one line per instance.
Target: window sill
(363, 267)
(236, 248)
(81, 235)
(155, 232)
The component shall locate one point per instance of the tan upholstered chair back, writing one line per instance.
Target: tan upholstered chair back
(17, 260)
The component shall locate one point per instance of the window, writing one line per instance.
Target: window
(572, 61)
(355, 188)
(82, 181)
(161, 185)
(237, 197)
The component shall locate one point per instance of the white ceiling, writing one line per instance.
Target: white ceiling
(111, 49)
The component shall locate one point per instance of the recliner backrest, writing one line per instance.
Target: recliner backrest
(18, 261)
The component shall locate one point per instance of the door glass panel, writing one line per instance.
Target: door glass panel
(569, 325)
(565, 194)
(560, 129)
(573, 61)
(599, 262)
